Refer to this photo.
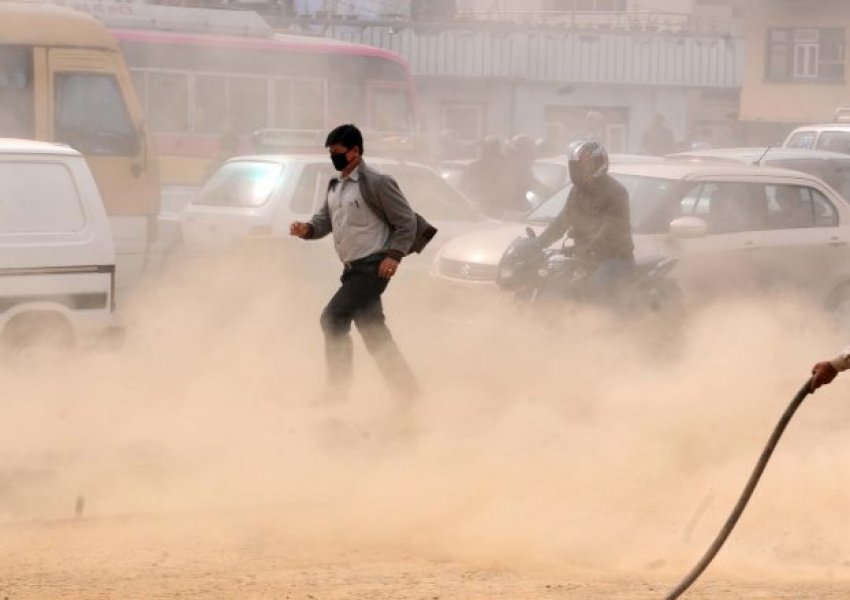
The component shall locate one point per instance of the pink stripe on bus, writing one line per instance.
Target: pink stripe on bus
(315, 45)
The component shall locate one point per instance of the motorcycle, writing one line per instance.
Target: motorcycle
(535, 275)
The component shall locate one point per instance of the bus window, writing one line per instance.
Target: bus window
(346, 103)
(169, 93)
(90, 115)
(210, 104)
(16, 92)
(390, 110)
(249, 103)
(282, 103)
(308, 104)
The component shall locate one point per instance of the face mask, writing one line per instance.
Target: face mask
(339, 160)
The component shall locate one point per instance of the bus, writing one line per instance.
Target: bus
(204, 91)
(63, 79)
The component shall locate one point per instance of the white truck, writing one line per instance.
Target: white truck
(57, 258)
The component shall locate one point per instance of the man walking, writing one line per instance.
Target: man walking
(373, 228)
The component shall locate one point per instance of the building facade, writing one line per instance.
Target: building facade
(502, 70)
(796, 66)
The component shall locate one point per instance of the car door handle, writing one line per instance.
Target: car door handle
(750, 245)
(837, 242)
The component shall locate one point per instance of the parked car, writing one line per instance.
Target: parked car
(834, 137)
(259, 196)
(57, 258)
(733, 228)
(831, 167)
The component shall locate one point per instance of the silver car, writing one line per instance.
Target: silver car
(832, 168)
(733, 229)
(257, 197)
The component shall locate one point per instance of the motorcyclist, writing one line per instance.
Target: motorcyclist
(596, 217)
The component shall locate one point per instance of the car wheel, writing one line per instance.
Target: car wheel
(37, 332)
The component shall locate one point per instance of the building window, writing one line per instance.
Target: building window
(813, 54)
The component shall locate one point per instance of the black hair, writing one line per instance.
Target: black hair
(345, 135)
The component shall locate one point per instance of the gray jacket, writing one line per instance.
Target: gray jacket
(597, 218)
(382, 194)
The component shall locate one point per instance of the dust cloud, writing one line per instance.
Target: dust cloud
(572, 442)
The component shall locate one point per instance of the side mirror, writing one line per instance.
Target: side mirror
(688, 227)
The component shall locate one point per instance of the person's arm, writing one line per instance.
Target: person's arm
(558, 227)
(824, 372)
(318, 227)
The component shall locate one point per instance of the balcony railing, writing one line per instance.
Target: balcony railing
(638, 21)
(593, 20)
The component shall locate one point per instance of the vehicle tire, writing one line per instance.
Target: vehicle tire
(36, 332)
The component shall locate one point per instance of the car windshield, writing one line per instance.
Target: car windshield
(836, 141)
(240, 183)
(644, 195)
(431, 195)
(801, 139)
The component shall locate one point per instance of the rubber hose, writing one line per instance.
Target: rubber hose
(745, 495)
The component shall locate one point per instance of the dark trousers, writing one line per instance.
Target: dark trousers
(359, 300)
(607, 280)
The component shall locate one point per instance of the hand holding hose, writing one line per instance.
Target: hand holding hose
(822, 374)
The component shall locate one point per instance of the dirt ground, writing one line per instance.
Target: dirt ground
(192, 557)
(574, 457)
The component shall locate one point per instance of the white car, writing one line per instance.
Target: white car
(834, 137)
(57, 258)
(259, 196)
(733, 228)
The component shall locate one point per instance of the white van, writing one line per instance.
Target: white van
(57, 258)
